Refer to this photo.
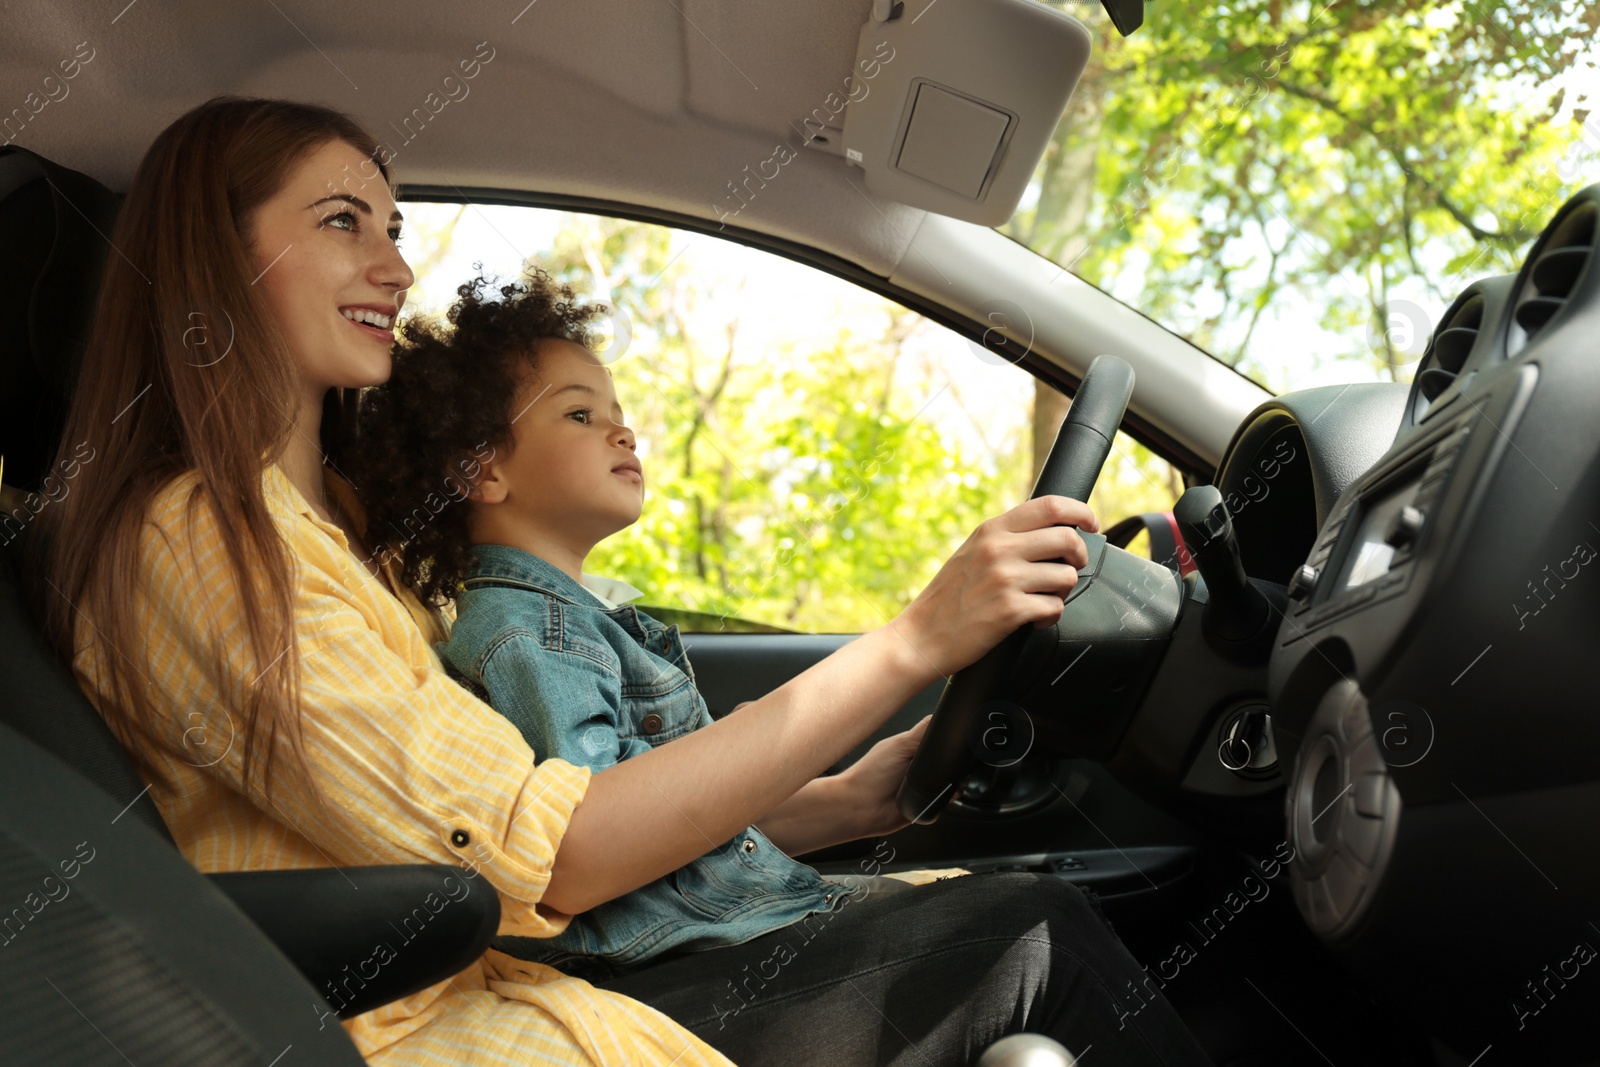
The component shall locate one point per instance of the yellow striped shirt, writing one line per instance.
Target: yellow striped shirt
(414, 768)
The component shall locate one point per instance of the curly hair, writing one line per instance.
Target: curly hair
(422, 436)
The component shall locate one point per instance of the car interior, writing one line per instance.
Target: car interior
(1330, 791)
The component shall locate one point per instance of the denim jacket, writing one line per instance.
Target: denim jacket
(594, 686)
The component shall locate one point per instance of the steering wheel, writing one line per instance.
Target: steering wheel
(945, 756)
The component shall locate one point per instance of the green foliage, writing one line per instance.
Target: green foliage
(798, 488)
(1260, 155)
(812, 484)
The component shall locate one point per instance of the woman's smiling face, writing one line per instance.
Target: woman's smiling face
(570, 475)
(324, 247)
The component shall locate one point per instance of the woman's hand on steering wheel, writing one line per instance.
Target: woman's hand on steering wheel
(1015, 569)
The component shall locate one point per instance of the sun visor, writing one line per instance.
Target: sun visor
(964, 97)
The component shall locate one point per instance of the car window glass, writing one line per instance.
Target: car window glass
(812, 450)
(1301, 190)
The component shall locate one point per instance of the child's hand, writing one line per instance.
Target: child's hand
(1016, 568)
(875, 780)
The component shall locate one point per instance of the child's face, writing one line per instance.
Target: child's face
(570, 473)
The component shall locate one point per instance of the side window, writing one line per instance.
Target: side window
(812, 451)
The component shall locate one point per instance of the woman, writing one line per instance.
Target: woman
(209, 585)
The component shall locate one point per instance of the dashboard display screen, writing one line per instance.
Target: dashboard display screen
(1369, 554)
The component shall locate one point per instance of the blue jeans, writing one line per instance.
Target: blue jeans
(932, 974)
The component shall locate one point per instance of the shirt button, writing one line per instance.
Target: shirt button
(651, 724)
(749, 845)
(460, 839)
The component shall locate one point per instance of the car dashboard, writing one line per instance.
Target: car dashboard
(1431, 679)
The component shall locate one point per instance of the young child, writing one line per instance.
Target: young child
(583, 674)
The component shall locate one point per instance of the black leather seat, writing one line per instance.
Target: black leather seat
(115, 949)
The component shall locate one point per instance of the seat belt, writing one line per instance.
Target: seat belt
(1166, 541)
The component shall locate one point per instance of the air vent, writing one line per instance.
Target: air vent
(1563, 255)
(1447, 352)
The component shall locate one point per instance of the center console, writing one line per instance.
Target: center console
(1368, 547)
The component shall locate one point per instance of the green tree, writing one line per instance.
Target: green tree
(805, 486)
(799, 487)
(1230, 154)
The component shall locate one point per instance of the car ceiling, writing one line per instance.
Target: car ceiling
(658, 104)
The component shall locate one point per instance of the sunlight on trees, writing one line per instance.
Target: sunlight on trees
(1272, 179)
(812, 451)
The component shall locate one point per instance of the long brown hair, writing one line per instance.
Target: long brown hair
(154, 400)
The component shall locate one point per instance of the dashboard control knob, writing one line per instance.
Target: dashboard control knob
(1405, 527)
(1303, 582)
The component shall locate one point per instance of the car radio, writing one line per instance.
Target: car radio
(1369, 542)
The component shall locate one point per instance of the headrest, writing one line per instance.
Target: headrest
(55, 227)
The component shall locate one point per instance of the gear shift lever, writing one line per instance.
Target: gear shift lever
(1026, 1050)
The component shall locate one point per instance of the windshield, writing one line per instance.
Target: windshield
(1302, 189)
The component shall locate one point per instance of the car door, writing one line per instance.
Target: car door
(813, 451)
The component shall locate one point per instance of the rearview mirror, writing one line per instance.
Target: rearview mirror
(1126, 15)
